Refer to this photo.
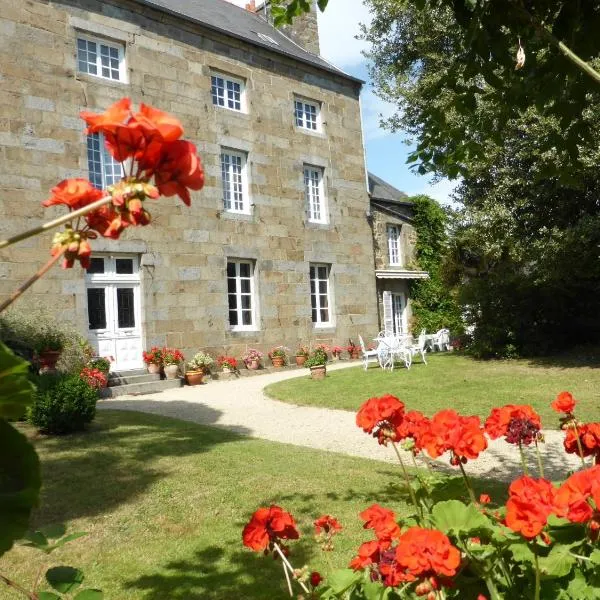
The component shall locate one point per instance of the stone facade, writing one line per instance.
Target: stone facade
(183, 254)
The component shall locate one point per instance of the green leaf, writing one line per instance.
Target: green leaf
(55, 531)
(19, 484)
(522, 552)
(69, 538)
(595, 557)
(35, 539)
(16, 391)
(48, 596)
(454, 516)
(373, 590)
(343, 579)
(558, 563)
(322, 4)
(64, 579)
(89, 595)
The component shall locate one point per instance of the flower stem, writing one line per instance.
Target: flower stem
(536, 595)
(25, 286)
(523, 461)
(539, 459)
(407, 479)
(16, 586)
(467, 483)
(66, 218)
(287, 578)
(286, 562)
(579, 446)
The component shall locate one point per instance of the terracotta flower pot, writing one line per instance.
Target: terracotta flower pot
(300, 359)
(253, 364)
(48, 360)
(318, 371)
(153, 368)
(194, 377)
(278, 361)
(171, 371)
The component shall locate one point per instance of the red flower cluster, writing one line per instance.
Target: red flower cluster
(573, 497)
(462, 436)
(382, 521)
(381, 417)
(518, 423)
(267, 526)
(227, 360)
(150, 140)
(154, 356)
(327, 524)
(530, 503)
(95, 378)
(564, 403)
(171, 356)
(589, 438)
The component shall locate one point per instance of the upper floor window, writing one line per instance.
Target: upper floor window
(307, 114)
(101, 58)
(103, 169)
(241, 294)
(319, 294)
(227, 91)
(393, 235)
(235, 182)
(314, 194)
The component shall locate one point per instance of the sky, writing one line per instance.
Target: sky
(386, 152)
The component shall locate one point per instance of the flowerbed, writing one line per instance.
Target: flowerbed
(542, 544)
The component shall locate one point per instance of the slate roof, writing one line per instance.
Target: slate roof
(237, 22)
(381, 190)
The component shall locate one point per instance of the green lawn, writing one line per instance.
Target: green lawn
(165, 502)
(455, 381)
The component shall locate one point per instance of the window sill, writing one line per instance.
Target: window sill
(324, 327)
(100, 80)
(236, 216)
(231, 111)
(317, 133)
(316, 225)
(243, 331)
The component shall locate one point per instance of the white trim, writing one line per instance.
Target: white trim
(304, 122)
(401, 274)
(110, 44)
(228, 95)
(316, 202)
(238, 294)
(230, 161)
(394, 247)
(316, 306)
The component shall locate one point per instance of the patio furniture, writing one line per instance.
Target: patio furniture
(394, 348)
(419, 347)
(367, 355)
(441, 339)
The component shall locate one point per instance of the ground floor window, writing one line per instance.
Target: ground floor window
(394, 313)
(241, 294)
(320, 294)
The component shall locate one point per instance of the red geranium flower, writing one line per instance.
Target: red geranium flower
(573, 496)
(315, 578)
(448, 430)
(369, 553)
(382, 521)
(107, 221)
(414, 425)
(382, 414)
(152, 119)
(327, 524)
(484, 499)
(530, 503)
(74, 193)
(108, 121)
(518, 422)
(564, 403)
(267, 526)
(589, 438)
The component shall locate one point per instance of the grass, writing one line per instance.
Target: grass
(455, 381)
(165, 501)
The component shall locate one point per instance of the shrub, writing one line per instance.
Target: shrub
(62, 404)
(100, 363)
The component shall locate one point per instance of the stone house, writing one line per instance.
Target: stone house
(394, 239)
(276, 249)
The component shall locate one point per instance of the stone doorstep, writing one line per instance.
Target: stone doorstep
(124, 378)
(143, 388)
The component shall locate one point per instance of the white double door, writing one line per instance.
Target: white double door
(114, 310)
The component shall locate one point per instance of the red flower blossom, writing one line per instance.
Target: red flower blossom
(108, 121)
(107, 222)
(74, 193)
(267, 526)
(414, 425)
(152, 119)
(382, 521)
(564, 403)
(589, 438)
(518, 422)
(462, 436)
(327, 524)
(426, 553)
(369, 553)
(315, 578)
(93, 377)
(530, 503)
(484, 499)
(382, 414)
(573, 496)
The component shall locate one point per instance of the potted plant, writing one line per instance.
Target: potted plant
(336, 352)
(227, 363)
(198, 367)
(153, 359)
(301, 355)
(101, 363)
(317, 362)
(171, 358)
(353, 350)
(48, 348)
(94, 377)
(278, 356)
(252, 358)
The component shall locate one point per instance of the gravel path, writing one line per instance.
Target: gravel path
(240, 405)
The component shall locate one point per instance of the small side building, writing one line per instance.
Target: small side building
(394, 243)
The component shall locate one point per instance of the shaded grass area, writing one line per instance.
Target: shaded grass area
(455, 381)
(165, 501)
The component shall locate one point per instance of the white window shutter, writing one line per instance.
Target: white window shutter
(388, 313)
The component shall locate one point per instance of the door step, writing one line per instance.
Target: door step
(137, 382)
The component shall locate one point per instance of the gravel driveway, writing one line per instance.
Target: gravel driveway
(240, 405)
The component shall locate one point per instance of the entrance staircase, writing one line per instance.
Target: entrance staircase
(137, 382)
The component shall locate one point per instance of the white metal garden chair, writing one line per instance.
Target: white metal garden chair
(441, 340)
(368, 355)
(419, 347)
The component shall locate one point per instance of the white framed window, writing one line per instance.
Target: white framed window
(104, 170)
(101, 58)
(320, 297)
(228, 92)
(314, 194)
(393, 236)
(307, 114)
(234, 177)
(241, 295)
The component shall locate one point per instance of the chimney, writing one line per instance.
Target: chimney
(251, 6)
(304, 29)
